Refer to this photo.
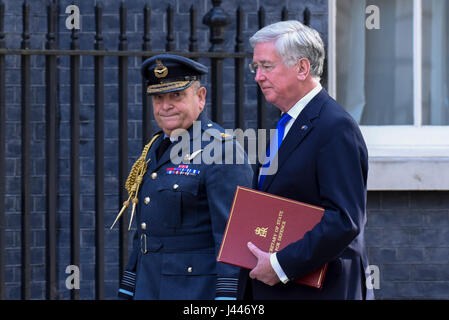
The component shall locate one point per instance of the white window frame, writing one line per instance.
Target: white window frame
(414, 157)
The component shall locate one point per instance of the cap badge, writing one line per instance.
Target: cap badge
(160, 71)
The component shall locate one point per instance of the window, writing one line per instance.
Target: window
(435, 66)
(393, 78)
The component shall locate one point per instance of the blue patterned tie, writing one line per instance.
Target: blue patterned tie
(280, 127)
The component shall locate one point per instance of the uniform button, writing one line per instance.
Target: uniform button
(143, 225)
(189, 269)
(175, 186)
(147, 200)
(154, 175)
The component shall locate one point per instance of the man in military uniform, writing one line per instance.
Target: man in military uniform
(181, 208)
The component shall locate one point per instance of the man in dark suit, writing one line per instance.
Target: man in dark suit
(185, 189)
(322, 160)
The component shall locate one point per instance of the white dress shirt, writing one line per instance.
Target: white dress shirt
(294, 113)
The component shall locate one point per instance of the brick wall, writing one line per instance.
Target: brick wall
(407, 236)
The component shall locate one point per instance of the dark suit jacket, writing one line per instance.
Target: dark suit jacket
(323, 160)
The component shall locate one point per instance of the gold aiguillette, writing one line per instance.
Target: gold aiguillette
(134, 181)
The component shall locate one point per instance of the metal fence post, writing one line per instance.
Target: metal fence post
(99, 155)
(146, 100)
(261, 102)
(26, 156)
(51, 154)
(239, 73)
(123, 137)
(74, 157)
(216, 19)
(2, 153)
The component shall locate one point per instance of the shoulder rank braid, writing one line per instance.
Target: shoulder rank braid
(134, 181)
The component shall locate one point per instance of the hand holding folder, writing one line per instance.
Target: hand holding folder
(263, 270)
(271, 223)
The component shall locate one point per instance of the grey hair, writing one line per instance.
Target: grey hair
(294, 41)
(196, 84)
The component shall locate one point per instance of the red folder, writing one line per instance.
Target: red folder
(271, 223)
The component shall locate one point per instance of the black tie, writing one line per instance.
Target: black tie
(163, 147)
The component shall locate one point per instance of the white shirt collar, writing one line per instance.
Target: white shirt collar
(300, 105)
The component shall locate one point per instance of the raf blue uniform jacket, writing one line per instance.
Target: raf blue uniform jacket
(181, 216)
(323, 161)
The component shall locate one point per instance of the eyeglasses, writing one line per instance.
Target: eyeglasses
(265, 67)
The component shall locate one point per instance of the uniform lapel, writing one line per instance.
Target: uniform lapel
(298, 132)
(151, 156)
(165, 157)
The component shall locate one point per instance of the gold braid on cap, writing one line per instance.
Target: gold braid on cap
(134, 181)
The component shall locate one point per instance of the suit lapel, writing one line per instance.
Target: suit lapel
(298, 132)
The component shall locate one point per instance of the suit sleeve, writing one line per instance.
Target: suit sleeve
(341, 172)
(221, 183)
(128, 281)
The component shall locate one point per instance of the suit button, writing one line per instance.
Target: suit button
(154, 175)
(146, 200)
(175, 186)
(143, 225)
(189, 269)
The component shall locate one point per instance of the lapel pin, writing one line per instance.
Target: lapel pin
(304, 127)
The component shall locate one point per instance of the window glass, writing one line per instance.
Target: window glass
(435, 64)
(375, 66)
